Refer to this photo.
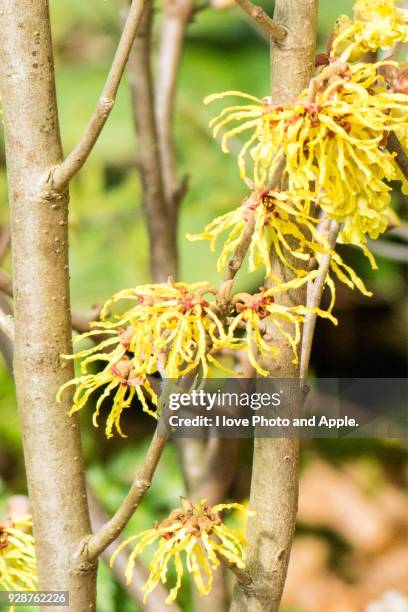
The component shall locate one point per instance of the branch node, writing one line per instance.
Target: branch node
(142, 485)
(105, 105)
(276, 31)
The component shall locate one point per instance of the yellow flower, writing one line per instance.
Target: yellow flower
(248, 117)
(119, 377)
(365, 220)
(171, 329)
(256, 313)
(174, 327)
(334, 145)
(195, 530)
(377, 24)
(282, 225)
(18, 569)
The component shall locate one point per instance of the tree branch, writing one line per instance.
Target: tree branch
(401, 158)
(243, 577)
(314, 301)
(6, 324)
(240, 252)
(6, 283)
(98, 542)
(274, 490)
(177, 15)
(161, 228)
(6, 344)
(156, 601)
(64, 172)
(39, 235)
(79, 322)
(5, 241)
(275, 30)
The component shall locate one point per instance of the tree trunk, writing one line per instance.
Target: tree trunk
(274, 485)
(52, 449)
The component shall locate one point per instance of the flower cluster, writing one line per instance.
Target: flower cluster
(195, 530)
(333, 139)
(328, 149)
(277, 220)
(377, 24)
(334, 146)
(18, 570)
(259, 313)
(168, 330)
(174, 330)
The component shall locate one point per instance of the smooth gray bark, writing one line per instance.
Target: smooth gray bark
(52, 449)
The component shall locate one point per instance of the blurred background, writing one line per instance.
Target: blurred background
(351, 544)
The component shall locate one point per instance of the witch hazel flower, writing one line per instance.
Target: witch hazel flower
(193, 533)
(18, 568)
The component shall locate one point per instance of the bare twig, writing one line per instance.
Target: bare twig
(275, 30)
(6, 283)
(98, 542)
(62, 173)
(177, 15)
(19, 504)
(314, 301)
(394, 146)
(243, 577)
(156, 601)
(6, 343)
(5, 241)
(240, 252)
(6, 324)
(79, 322)
(162, 230)
(238, 256)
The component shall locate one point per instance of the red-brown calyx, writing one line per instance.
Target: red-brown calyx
(123, 369)
(4, 526)
(194, 520)
(256, 303)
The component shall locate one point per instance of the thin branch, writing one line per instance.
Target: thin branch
(275, 30)
(5, 241)
(6, 283)
(19, 505)
(177, 15)
(156, 601)
(6, 324)
(79, 322)
(238, 256)
(240, 252)
(401, 158)
(98, 542)
(161, 228)
(243, 577)
(314, 301)
(64, 172)
(6, 344)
